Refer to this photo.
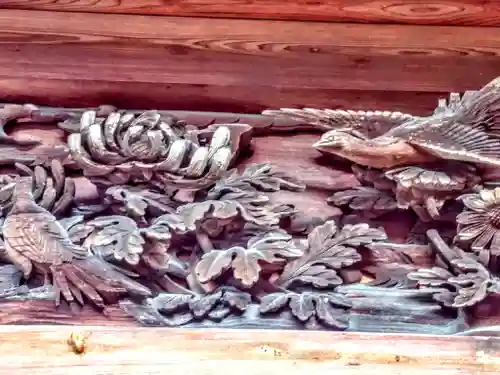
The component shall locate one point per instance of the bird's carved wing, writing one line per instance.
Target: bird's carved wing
(40, 238)
(370, 123)
(467, 131)
(481, 109)
(455, 141)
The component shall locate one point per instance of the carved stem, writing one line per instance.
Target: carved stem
(172, 286)
(442, 248)
(194, 283)
(204, 242)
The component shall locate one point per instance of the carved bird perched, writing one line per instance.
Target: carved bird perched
(34, 239)
(424, 154)
(468, 132)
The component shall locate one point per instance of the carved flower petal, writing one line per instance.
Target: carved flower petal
(483, 239)
(469, 217)
(488, 197)
(474, 202)
(471, 231)
(496, 193)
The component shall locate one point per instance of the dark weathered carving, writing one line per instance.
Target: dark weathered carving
(461, 280)
(177, 235)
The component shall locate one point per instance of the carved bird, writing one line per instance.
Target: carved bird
(35, 240)
(467, 132)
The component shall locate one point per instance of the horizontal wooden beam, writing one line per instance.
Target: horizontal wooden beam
(44, 350)
(83, 91)
(437, 12)
(214, 63)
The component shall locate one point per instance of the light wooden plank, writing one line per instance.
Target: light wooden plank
(44, 350)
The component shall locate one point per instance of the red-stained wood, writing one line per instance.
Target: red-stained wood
(434, 12)
(255, 57)
(73, 92)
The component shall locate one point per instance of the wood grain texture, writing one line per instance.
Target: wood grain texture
(43, 350)
(437, 12)
(252, 56)
(194, 97)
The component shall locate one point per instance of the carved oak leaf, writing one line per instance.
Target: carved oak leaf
(136, 201)
(260, 177)
(164, 227)
(184, 308)
(328, 251)
(196, 215)
(363, 198)
(468, 284)
(330, 309)
(115, 237)
(159, 236)
(436, 278)
(272, 248)
(473, 285)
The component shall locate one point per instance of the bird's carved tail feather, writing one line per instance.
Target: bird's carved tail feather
(93, 279)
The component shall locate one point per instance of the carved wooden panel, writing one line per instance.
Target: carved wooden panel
(308, 219)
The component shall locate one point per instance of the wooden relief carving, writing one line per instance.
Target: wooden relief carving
(182, 235)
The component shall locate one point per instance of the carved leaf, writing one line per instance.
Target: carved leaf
(472, 285)
(117, 237)
(260, 177)
(469, 287)
(329, 251)
(263, 177)
(216, 305)
(433, 277)
(193, 214)
(271, 248)
(364, 198)
(162, 228)
(328, 308)
(137, 200)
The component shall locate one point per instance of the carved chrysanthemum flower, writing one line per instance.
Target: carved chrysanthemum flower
(480, 221)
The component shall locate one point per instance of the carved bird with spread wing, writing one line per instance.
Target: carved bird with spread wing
(35, 240)
(468, 132)
(431, 159)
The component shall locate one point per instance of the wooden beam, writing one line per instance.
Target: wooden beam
(77, 92)
(251, 57)
(44, 350)
(437, 12)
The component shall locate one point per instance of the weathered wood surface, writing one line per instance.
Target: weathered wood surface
(240, 99)
(236, 63)
(43, 350)
(454, 12)
(321, 177)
